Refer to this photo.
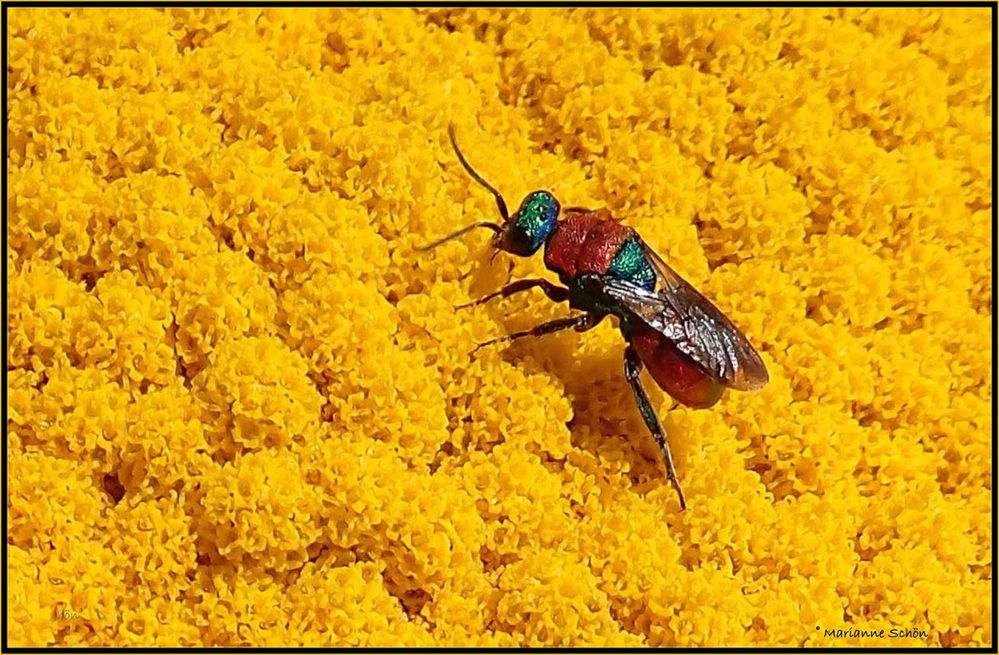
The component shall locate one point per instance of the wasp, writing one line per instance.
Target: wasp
(691, 349)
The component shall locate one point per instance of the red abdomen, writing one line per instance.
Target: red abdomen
(673, 371)
(584, 242)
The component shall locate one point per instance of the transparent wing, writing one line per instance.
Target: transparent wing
(690, 321)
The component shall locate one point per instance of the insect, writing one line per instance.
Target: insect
(691, 349)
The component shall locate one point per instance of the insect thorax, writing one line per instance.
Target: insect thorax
(589, 243)
(631, 265)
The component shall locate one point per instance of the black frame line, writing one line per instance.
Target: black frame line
(542, 4)
(539, 5)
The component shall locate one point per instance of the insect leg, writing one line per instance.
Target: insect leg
(580, 323)
(632, 368)
(553, 291)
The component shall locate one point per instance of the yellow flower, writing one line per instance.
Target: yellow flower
(243, 410)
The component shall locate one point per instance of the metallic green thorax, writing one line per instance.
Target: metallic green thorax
(630, 264)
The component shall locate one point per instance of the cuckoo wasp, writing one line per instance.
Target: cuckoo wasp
(691, 349)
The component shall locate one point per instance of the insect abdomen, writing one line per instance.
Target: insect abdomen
(673, 371)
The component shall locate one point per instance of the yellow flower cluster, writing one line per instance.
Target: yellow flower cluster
(242, 410)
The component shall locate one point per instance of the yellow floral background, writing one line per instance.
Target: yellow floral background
(242, 409)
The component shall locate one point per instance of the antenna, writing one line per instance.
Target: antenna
(455, 235)
(475, 176)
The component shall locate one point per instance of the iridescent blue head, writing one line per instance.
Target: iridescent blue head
(530, 227)
(521, 234)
